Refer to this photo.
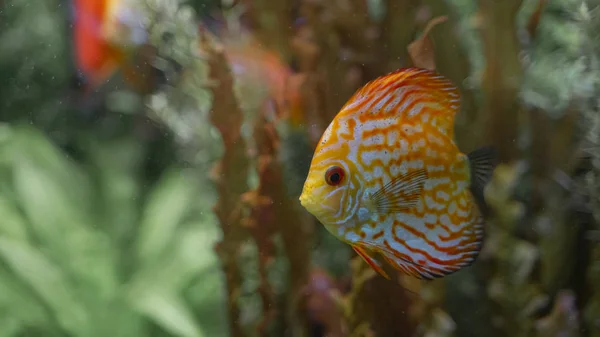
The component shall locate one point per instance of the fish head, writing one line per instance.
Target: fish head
(332, 184)
(325, 192)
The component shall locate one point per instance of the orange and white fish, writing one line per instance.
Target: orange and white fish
(388, 179)
(106, 36)
(95, 56)
(255, 65)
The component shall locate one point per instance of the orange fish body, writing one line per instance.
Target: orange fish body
(388, 179)
(295, 103)
(102, 41)
(96, 57)
(255, 65)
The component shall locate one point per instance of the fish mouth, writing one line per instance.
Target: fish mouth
(306, 194)
(307, 201)
(315, 206)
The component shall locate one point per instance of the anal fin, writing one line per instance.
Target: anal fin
(406, 280)
(373, 262)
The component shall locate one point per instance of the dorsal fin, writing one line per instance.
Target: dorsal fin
(408, 93)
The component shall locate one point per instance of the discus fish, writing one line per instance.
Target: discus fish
(388, 179)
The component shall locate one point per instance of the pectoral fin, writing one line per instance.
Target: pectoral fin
(401, 193)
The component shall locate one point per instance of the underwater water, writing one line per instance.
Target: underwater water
(347, 168)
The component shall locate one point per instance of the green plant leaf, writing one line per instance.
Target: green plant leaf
(13, 223)
(63, 232)
(189, 253)
(11, 326)
(208, 295)
(48, 282)
(167, 206)
(194, 252)
(167, 310)
(116, 318)
(117, 166)
(31, 145)
(19, 302)
(45, 204)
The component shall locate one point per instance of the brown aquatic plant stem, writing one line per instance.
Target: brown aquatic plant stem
(286, 219)
(452, 62)
(271, 21)
(335, 47)
(502, 75)
(397, 30)
(534, 20)
(369, 294)
(231, 175)
(274, 213)
(262, 223)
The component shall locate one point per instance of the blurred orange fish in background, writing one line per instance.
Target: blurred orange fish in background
(106, 35)
(95, 57)
(388, 179)
(256, 65)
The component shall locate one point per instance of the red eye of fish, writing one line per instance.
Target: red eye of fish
(334, 175)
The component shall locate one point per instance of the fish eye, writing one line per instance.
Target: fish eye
(334, 175)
